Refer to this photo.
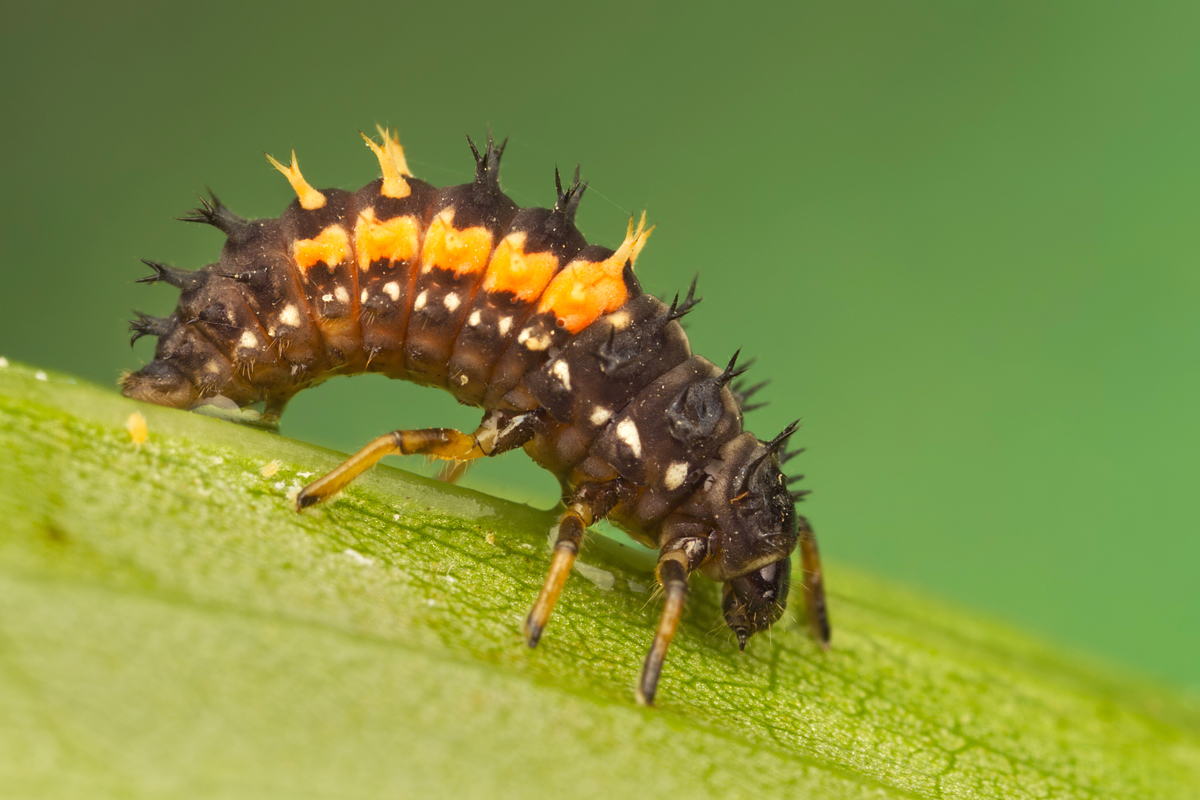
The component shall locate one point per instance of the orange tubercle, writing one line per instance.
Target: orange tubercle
(331, 246)
(310, 198)
(394, 185)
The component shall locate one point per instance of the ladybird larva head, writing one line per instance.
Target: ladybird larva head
(751, 509)
(756, 601)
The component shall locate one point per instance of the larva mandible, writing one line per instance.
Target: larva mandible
(511, 310)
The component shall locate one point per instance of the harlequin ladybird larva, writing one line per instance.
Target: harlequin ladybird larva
(511, 310)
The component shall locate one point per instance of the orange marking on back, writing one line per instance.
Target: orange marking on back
(331, 245)
(511, 269)
(587, 290)
(447, 247)
(584, 292)
(396, 239)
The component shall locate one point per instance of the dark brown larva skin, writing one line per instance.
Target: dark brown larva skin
(511, 310)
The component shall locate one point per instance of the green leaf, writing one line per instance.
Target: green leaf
(170, 627)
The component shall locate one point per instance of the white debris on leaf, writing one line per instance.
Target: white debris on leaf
(357, 557)
(601, 577)
(41, 376)
(270, 468)
(636, 587)
(3, 362)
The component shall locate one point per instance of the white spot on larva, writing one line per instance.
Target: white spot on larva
(474, 319)
(248, 340)
(39, 375)
(627, 432)
(341, 294)
(290, 316)
(619, 320)
(676, 474)
(451, 301)
(534, 343)
(600, 415)
(420, 302)
(563, 373)
(392, 290)
(505, 326)
(362, 298)
(462, 380)
(327, 298)
(212, 366)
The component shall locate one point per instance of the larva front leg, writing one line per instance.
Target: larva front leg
(499, 432)
(589, 503)
(677, 560)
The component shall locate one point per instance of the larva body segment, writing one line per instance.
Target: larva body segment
(511, 310)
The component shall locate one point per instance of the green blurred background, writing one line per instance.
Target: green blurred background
(960, 238)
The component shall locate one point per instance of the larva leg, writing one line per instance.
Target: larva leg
(590, 502)
(814, 584)
(499, 432)
(452, 471)
(675, 563)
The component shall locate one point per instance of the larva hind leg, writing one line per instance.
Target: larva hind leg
(590, 503)
(499, 432)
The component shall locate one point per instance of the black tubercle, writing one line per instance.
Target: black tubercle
(742, 393)
(487, 166)
(789, 455)
(695, 413)
(568, 201)
(678, 311)
(146, 325)
(730, 373)
(216, 214)
(179, 278)
(781, 440)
